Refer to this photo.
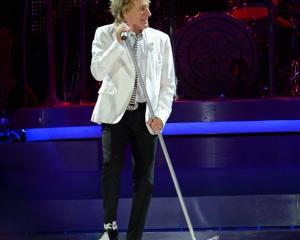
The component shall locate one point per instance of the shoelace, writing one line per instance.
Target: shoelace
(111, 226)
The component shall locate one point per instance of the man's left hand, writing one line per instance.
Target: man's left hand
(156, 124)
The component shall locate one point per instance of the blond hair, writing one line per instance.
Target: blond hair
(119, 7)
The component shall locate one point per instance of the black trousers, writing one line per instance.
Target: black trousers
(115, 138)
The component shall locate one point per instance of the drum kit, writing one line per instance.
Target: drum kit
(231, 53)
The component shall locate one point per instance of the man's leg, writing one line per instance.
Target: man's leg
(144, 149)
(114, 141)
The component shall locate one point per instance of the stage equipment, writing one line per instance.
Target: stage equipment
(246, 11)
(4, 127)
(163, 145)
(255, 17)
(216, 55)
(294, 81)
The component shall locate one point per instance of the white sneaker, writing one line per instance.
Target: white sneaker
(110, 231)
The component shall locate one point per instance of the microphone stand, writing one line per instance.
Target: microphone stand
(161, 140)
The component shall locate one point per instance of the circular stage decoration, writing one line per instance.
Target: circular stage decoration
(215, 55)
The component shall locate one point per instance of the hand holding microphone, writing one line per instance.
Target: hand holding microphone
(122, 32)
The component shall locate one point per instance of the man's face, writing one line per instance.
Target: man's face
(137, 16)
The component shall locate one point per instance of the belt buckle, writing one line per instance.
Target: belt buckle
(132, 107)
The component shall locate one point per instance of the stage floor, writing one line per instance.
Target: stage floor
(270, 234)
(248, 179)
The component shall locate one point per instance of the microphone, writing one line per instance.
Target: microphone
(124, 35)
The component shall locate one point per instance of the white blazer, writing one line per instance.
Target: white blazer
(112, 64)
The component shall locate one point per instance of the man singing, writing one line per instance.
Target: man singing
(122, 110)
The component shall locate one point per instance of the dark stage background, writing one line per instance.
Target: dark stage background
(222, 49)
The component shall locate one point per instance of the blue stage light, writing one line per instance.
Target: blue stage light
(172, 129)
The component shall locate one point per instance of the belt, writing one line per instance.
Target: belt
(136, 106)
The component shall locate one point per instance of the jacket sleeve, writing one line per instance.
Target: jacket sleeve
(167, 83)
(105, 51)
